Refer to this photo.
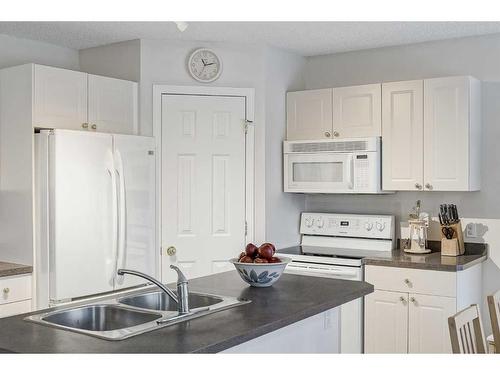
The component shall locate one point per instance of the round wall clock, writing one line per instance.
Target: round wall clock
(204, 65)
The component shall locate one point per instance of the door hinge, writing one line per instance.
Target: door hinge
(247, 124)
(246, 228)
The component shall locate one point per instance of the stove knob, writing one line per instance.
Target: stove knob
(368, 226)
(380, 226)
(320, 223)
(309, 222)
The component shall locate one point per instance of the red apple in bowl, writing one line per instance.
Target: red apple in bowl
(266, 251)
(251, 250)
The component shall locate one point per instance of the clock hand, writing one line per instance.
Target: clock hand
(203, 61)
(210, 64)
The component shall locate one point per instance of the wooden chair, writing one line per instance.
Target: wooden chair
(494, 307)
(466, 331)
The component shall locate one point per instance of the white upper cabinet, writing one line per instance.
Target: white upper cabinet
(431, 134)
(112, 106)
(357, 111)
(402, 135)
(309, 115)
(452, 123)
(66, 99)
(60, 98)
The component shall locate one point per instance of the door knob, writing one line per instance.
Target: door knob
(418, 186)
(402, 299)
(428, 186)
(94, 126)
(328, 134)
(412, 299)
(85, 125)
(171, 250)
(336, 134)
(6, 290)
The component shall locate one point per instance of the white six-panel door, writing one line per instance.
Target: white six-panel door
(402, 135)
(357, 111)
(386, 322)
(203, 183)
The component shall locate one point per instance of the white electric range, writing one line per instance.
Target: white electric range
(333, 245)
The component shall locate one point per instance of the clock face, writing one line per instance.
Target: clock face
(204, 65)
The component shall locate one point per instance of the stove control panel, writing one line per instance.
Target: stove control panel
(348, 225)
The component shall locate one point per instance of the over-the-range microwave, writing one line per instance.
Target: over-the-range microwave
(342, 166)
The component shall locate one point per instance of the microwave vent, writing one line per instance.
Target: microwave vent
(337, 146)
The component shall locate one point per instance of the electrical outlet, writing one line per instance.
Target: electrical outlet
(471, 230)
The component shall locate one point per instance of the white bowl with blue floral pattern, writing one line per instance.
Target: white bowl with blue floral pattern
(260, 274)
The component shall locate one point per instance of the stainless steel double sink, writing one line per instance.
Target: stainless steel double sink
(118, 318)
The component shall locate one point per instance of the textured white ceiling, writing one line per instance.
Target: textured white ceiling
(305, 38)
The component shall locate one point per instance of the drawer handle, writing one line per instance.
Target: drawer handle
(407, 281)
(6, 290)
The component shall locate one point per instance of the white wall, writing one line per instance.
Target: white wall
(476, 56)
(17, 51)
(118, 60)
(284, 72)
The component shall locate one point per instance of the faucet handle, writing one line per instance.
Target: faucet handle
(181, 278)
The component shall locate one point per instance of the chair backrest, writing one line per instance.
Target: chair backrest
(494, 307)
(466, 331)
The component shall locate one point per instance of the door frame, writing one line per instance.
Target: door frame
(251, 201)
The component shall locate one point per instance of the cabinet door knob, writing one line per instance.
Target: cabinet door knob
(418, 186)
(402, 299)
(94, 126)
(336, 134)
(171, 250)
(6, 290)
(412, 299)
(428, 186)
(328, 134)
(85, 125)
(407, 281)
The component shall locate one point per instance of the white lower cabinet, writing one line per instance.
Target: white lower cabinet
(386, 322)
(428, 331)
(409, 309)
(15, 295)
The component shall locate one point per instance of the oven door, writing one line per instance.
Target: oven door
(323, 270)
(319, 173)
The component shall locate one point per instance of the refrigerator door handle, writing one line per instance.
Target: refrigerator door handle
(122, 218)
(114, 242)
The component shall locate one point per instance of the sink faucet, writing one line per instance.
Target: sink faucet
(182, 287)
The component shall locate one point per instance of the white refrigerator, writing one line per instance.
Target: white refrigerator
(94, 212)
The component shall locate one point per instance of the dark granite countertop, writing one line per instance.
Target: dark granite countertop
(291, 299)
(474, 254)
(11, 269)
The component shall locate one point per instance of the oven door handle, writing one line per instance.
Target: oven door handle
(320, 271)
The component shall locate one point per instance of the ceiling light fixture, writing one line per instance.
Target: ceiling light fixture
(182, 26)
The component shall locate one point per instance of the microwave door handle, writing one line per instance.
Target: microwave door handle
(351, 172)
